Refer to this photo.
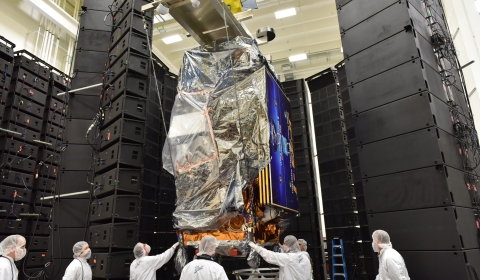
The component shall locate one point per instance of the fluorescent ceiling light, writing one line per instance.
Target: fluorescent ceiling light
(477, 3)
(297, 57)
(285, 13)
(172, 39)
(160, 18)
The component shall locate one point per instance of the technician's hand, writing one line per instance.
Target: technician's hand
(175, 246)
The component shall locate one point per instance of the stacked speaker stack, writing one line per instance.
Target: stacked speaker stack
(126, 142)
(307, 224)
(418, 148)
(33, 121)
(165, 235)
(343, 204)
(79, 146)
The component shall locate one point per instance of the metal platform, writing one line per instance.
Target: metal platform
(207, 23)
(257, 274)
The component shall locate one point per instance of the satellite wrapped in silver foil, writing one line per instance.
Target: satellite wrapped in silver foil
(219, 132)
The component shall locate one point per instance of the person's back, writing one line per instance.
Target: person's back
(204, 266)
(392, 265)
(294, 265)
(298, 266)
(203, 269)
(145, 267)
(8, 270)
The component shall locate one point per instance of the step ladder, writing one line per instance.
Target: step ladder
(339, 266)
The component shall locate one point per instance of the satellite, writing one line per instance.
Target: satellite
(230, 145)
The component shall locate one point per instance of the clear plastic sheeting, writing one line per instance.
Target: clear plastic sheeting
(180, 259)
(219, 132)
(224, 247)
(253, 259)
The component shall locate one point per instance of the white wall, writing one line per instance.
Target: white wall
(21, 24)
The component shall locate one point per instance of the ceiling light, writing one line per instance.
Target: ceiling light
(297, 57)
(161, 18)
(285, 13)
(172, 39)
(477, 3)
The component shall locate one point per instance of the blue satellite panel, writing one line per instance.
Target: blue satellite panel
(282, 167)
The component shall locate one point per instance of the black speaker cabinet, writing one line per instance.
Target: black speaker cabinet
(91, 61)
(94, 19)
(6, 66)
(130, 42)
(120, 207)
(444, 265)
(133, 63)
(422, 148)
(17, 163)
(73, 212)
(83, 106)
(20, 148)
(17, 179)
(27, 63)
(125, 106)
(93, 40)
(440, 228)
(77, 157)
(23, 119)
(127, 23)
(126, 155)
(26, 77)
(33, 259)
(9, 227)
(38, 243)
(433, 186)
(28, 92)
(111, 265)
(124, 130)
(118, 235)
(126, 83)
(124, 180)
(13, 210)
(22, 195)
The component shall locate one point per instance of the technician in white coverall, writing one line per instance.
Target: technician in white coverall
(144, 267)
(12, 249)
(204, 267)
(294, 265)
(79, 269)
(302, 243)
(391, 264)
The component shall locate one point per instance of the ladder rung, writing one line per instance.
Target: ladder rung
(339, 274)
(338, 264)
(337, 246)
(338, 255)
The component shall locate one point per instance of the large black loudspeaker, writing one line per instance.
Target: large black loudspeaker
(307, 225)
(126, 139)
(343, 204)
(32, 121)
(411, 129)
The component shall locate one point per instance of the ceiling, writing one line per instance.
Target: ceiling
(313, 30)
